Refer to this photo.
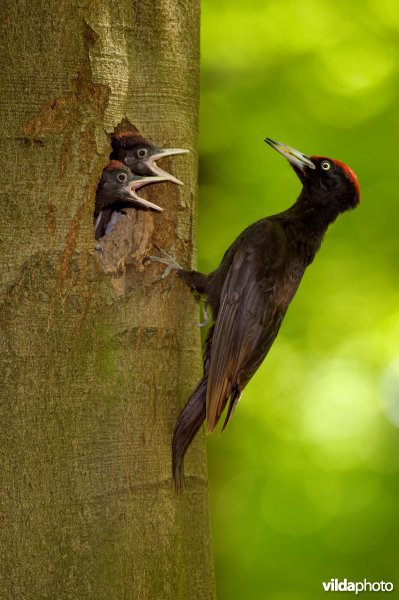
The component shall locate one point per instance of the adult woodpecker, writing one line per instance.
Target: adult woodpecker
(250, 291)
(140, 155)
(117, 188)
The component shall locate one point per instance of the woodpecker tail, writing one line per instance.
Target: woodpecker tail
(191, 418)
(188, 424)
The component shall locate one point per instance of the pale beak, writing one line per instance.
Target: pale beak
(140, 182)
(295, 157)
(151, 163)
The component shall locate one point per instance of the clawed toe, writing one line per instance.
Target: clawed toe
(166, 259)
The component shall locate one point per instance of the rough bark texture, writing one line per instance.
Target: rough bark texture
(96, 362)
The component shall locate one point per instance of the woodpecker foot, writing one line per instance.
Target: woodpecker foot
(166, 259)
(205, 314)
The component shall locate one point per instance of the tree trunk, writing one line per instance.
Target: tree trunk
(97, 362)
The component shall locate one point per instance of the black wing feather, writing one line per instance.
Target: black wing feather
(247, 323)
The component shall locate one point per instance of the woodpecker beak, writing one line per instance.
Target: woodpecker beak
(140, 182)
(151, 163)
(296, 158)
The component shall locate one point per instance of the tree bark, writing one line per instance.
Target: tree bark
(96, 361)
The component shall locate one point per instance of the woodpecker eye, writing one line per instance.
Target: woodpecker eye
(122, 177)
(142, 153)
(325, 166)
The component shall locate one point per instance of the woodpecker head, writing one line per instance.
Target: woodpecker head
(325, 179)
(140, 155)
(119, 184)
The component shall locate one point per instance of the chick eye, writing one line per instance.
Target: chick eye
(325, 166)
(121, 177)
(142, 153)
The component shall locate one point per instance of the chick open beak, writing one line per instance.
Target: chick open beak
(140, 182)
(162, 153)
(295, 157)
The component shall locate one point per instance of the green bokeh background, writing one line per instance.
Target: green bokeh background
(304, 483)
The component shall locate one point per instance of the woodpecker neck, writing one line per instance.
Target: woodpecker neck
(307, 221)
(312, 214)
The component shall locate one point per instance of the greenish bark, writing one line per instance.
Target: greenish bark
(96, 362)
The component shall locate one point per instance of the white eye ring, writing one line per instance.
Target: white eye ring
(142, 153)
(325, 166)
(121, 177)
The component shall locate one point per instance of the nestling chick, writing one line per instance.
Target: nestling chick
(140, 155)
(117, 188)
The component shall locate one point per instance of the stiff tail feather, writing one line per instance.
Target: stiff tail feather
(188, 424)
(234, 399)
(191, 418)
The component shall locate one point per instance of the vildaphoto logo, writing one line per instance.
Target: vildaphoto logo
(334, 585)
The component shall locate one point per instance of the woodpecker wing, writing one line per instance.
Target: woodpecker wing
(101, 221)
(247, 322)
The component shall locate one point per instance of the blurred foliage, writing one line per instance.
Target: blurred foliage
(305, 480)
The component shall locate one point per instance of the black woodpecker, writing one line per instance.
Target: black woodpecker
(249, 293)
